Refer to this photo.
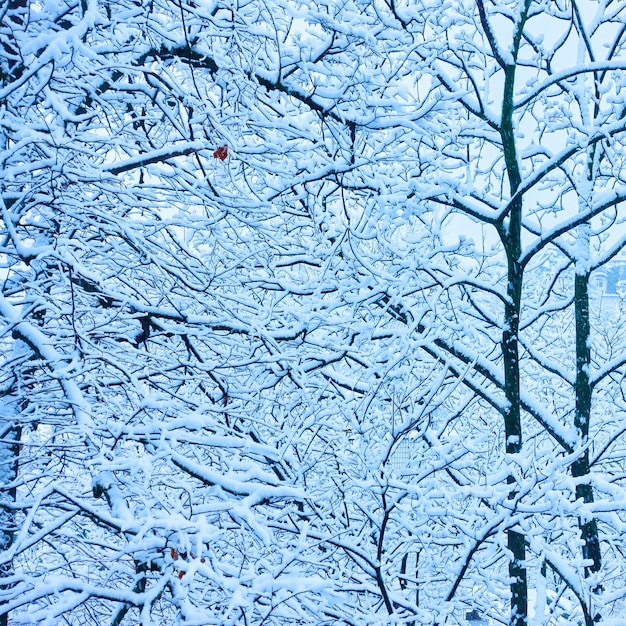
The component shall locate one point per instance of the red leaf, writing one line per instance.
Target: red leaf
(221, 153)
(181, 574)
(174, 554)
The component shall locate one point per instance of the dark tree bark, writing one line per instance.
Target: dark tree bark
(582, 419)
(510, 234)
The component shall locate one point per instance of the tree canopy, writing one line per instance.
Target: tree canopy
(312, 312)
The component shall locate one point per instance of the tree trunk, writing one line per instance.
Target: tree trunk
(582, 417)
(580, 467)
(513, 432)
(510, 233)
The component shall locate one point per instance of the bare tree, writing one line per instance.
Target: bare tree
(297, 324)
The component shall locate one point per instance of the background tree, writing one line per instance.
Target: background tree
(528, 92)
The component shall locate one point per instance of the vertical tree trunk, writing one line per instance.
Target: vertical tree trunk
(582, 417)
(510, 233)
(583, 391)
(510, 229)
(513, 425)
